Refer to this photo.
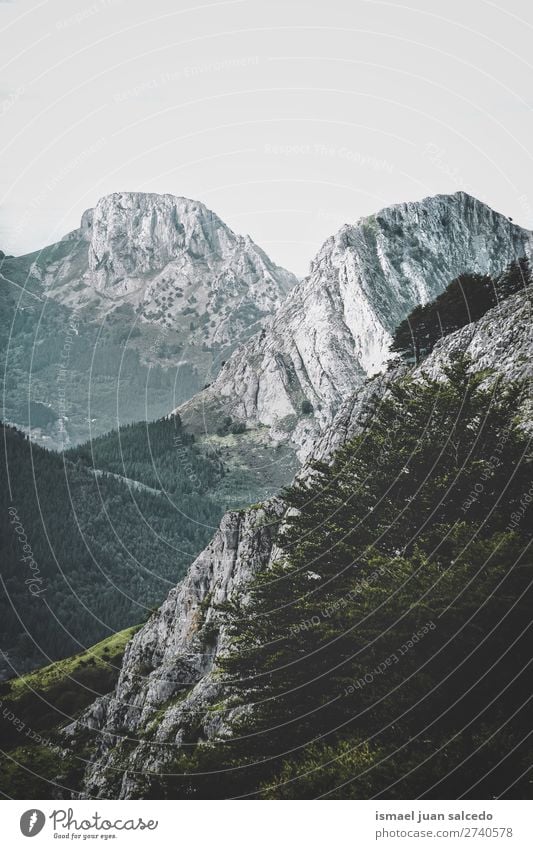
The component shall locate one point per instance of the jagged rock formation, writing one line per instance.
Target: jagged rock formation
(173, 260)
(333, 329)
(142, 303)
(166, 695)
(166, 671)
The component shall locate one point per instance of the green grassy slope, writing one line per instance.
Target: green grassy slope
(34, 758)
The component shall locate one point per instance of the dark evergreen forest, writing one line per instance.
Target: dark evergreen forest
(106, 549)
(388, 652)
(466, 299)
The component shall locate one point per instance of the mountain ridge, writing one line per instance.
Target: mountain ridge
(333, 328)
(160, 290)
(159, 252)
(167, 668)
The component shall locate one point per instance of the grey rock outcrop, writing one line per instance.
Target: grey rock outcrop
(173, 260)
(333, 330)
(168, 691)
(166, 679)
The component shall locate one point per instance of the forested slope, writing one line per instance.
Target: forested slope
(100, 551)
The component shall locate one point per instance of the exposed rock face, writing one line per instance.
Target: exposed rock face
(166, 668)
(500, 340)
(171, 258)
(178, 255)
(160, 291)
(176, 650)
(333, 329)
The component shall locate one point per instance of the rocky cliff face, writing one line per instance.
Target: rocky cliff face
(167, 693)
(173, 260)
(159, 291)
(333, 329)
(499, 342)
(166, 680)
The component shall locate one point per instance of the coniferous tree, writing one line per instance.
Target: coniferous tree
(397, 623)
(466, 299)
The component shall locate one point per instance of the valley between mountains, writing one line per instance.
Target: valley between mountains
(264, 490)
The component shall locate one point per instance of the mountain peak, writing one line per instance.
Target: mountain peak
(135, 233)
(129, 201)
(334, 328)
(176, 262)
(456, 201)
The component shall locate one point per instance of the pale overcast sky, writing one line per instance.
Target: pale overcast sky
(286, 117)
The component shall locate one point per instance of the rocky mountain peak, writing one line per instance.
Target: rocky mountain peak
(132, 233)
(333, 330)
(171, 258)
(176, 649)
